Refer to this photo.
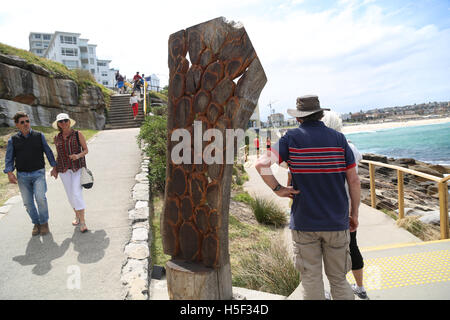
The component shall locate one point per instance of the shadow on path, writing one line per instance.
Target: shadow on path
(90, 245)
(41, 251)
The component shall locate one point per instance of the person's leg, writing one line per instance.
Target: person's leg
(357, 260)
(337, 262)
(40, 189)
(78, 201)
(135, 110)
(308, 260)
(66, 178)
(26, 191)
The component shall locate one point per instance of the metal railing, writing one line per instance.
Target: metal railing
(442, 189)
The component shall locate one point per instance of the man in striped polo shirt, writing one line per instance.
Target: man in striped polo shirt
(320, 161)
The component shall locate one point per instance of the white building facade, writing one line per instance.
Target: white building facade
(74, 52)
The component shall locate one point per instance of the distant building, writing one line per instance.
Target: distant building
(74, 52)
(153, 82)
(39, 42)
(291, 122)
(276, 119)
(255, 121)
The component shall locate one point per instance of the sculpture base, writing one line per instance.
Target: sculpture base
(192, 281)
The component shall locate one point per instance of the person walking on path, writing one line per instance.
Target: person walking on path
(333, 121)
(320, 161)
(72, 148)
(256, 143)
(25, 152)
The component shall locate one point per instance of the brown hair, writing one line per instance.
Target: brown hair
(19, 115)
(312, 117)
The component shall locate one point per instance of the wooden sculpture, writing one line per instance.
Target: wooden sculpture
(218, 87)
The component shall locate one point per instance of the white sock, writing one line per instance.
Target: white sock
(360, 289)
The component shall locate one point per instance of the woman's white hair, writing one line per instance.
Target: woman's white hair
(332, 120)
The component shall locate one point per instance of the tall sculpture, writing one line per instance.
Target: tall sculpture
(216, 86)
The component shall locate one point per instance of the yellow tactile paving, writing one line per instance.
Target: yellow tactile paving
(405, 270)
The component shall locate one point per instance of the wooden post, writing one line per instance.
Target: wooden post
(373, 197)
(443, 205)
(401, 200)
(204, 93)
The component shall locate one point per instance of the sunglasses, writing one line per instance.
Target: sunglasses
(23, 121)
(65, 120)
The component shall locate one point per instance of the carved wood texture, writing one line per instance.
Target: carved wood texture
(215, 78)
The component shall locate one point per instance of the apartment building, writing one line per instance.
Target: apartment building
(39, 42)
(74, 52)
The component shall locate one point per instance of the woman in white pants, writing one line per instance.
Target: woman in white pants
(71, 148)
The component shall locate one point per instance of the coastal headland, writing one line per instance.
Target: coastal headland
(390, 124)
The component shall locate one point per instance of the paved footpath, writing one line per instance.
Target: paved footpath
(67, 264)
(398, 265)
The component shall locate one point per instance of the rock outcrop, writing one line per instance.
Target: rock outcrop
(420, 195)
(43, 94)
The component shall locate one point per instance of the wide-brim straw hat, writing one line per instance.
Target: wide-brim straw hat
(63, 116)
(306, 105)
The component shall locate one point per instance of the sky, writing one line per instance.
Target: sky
(354, 54)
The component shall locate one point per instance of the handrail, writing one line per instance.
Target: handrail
(442, 188)
(417, 173)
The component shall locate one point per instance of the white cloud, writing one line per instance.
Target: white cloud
(353, 55)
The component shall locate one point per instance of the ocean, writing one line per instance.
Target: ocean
(428, 143)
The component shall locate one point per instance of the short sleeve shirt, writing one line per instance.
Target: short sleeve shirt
(318, 158)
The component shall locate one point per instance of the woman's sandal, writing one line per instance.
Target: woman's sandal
(81, 227)
(76, 222)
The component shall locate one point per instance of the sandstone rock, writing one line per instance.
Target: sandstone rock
(427, 170)
(139, 234)
(37, 91)
(5, 209)
(375, 157)
(433, 217)
(408, 161)
(137, 251)
(139, 214)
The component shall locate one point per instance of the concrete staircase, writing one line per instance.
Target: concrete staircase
(120, 114)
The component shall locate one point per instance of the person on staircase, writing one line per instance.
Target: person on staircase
(137, 79)
(71, 147)
(134, 103)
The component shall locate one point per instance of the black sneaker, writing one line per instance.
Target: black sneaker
(360, 293)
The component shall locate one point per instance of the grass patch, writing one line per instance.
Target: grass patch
(243, 197)
(267, 212)
(412, 224)
(159, 258)
(269, 268)
(423, 231)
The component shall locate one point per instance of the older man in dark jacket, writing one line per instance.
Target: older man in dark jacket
(25, 152)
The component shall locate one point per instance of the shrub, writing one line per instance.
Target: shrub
(268, 267)
(243, 197)
(154, 134)
(267, 212)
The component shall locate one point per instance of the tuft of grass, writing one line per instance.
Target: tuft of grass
(421, 230)
(269, 268)
(159, 258)
(267, 212)
(243, 197)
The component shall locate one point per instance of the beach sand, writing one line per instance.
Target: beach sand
(390, 125)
